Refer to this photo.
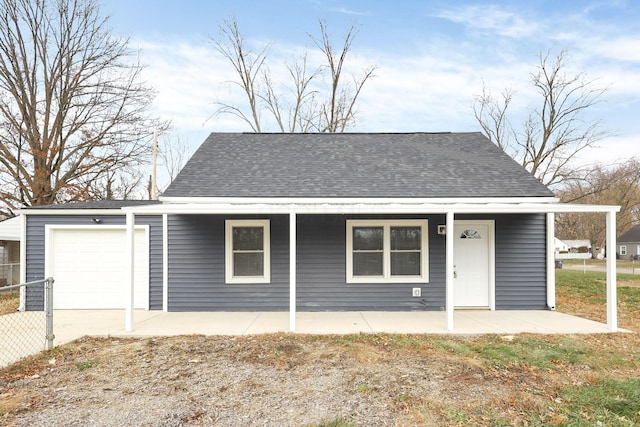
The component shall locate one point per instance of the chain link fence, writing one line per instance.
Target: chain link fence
(23, 333)
(9, 273)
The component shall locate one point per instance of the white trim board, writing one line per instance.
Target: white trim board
(356, 208)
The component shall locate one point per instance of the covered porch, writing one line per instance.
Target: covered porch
(437, 321)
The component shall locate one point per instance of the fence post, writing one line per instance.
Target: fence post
(48, 307)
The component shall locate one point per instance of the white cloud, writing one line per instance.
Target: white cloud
(492, 19)
(611, 151)
(189, 79)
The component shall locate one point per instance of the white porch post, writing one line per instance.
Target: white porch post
(292, 271)
(129, 263)
(23, 263)
(449, 237)
(165, 263)
(612, 298)
(551, 262)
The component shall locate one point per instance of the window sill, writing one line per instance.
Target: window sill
(248, 281)
(391, 280)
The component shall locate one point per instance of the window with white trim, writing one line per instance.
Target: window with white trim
(623, 250)
(247, 251)
(387, 251)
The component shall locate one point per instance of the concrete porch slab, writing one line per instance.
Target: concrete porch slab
(72, 324)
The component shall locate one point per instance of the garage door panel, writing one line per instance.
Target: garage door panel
(88, 266)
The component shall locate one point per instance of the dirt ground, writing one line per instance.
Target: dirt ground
(273, 380)
(298, 380)
(278, 380)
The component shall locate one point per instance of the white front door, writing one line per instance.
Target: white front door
(473, 264)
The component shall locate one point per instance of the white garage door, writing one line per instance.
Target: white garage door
(89, 264)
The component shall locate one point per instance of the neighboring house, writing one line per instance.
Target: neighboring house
(579, 246)
(314, 222)
(10, 232)
(576, 249)
(560, 246)
(628, 246)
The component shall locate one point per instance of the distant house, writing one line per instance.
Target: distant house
(560, 246)
(628, 246)
(10, 232)
(579, 246)
(576, 249)
(313, 222)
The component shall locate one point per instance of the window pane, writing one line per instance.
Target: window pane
(367, 238)
(248, 264)
(470, 234)
(405, 263)
(367, 263)
(405, 238)
(248, 238)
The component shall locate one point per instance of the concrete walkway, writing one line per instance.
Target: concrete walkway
(72, 324)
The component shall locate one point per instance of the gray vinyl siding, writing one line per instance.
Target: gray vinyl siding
(520, 247)
(196, 264)
(322, 271)
(197, 280)
(155, 258)
(521, 263)
(197, 267)
(35, 251)
(521, 260)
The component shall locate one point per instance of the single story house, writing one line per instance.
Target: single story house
(579, 246)
(560, 246)
(628, 246)
(574, 249)
(314, 222)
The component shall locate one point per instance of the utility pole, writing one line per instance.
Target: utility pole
(154, 185)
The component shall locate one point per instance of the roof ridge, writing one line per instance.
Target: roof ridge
(347, 133)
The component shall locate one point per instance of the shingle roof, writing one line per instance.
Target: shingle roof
(631, 235)
(375, 165)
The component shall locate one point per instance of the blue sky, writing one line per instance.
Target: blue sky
(432, 57)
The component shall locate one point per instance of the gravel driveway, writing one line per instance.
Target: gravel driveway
(272, 380)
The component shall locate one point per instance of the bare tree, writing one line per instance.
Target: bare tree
(553, 134)
(74, 116)
(491, 114)
(303, 104)
(173, 153)
(619, 186)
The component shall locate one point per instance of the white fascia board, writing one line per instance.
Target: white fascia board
(53, 211)
(351, 200)
(366, 208)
